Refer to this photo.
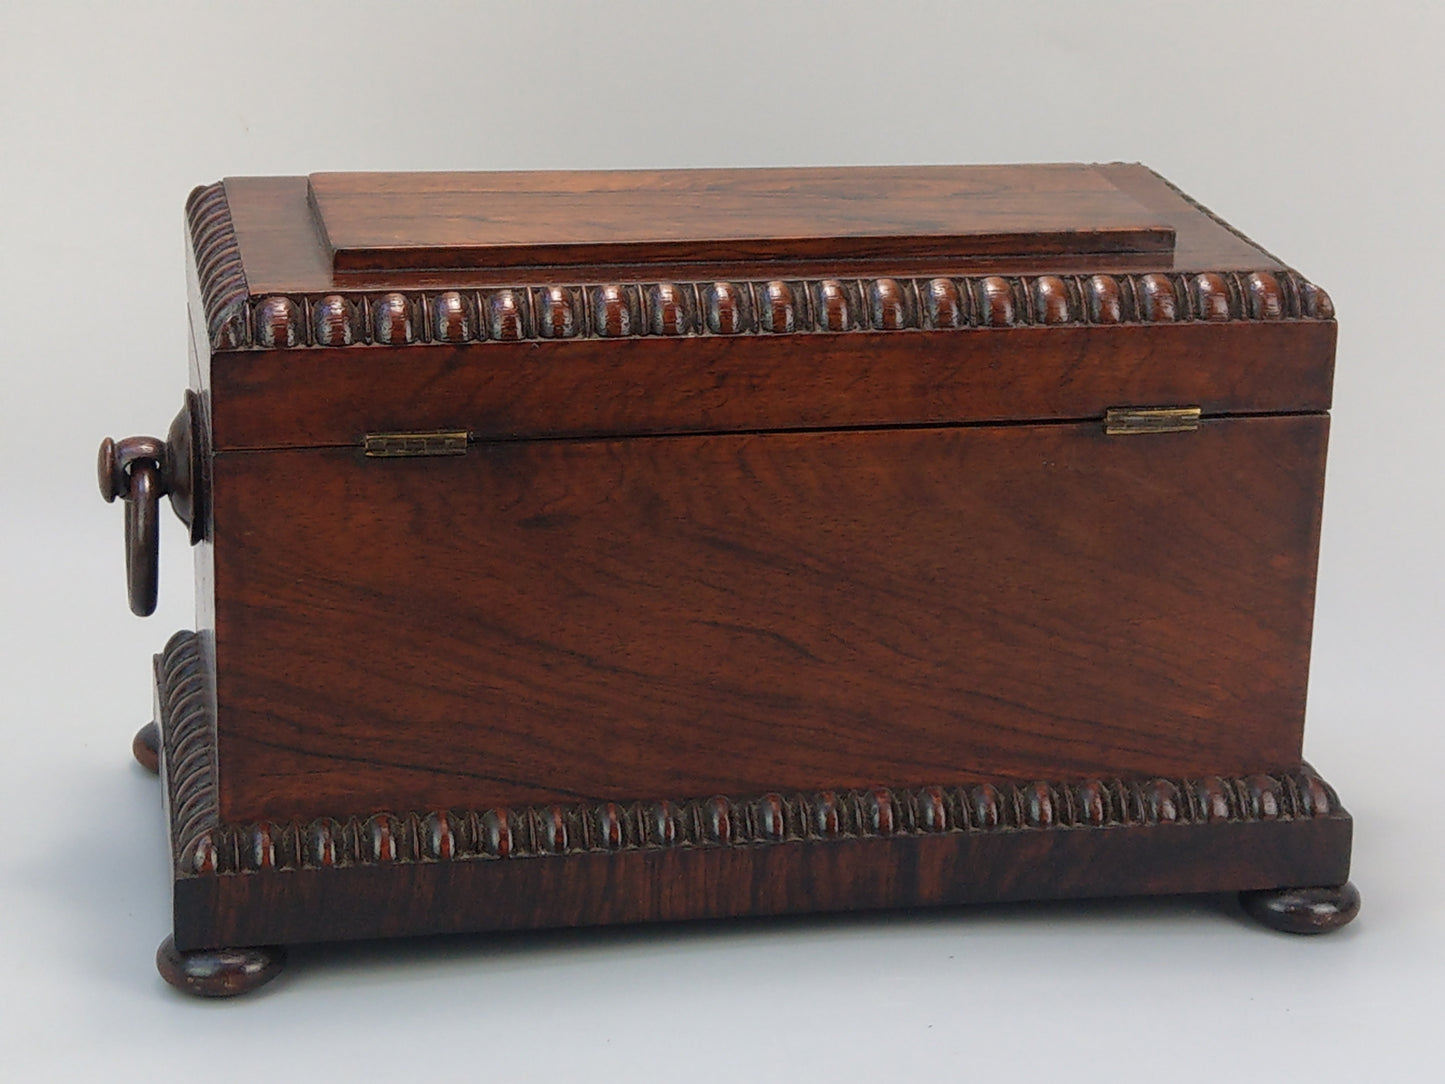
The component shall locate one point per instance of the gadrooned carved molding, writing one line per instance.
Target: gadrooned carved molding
(218, 267)
(187, 722)
(205, 846)
(629, 310)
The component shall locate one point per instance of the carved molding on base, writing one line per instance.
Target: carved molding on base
(203, 845)
(187, 720)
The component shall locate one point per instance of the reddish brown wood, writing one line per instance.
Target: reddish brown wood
(274, 228)
(397, 222)
(142, 470)
(216, 279)
(1304, 910)
(583, 863)
(146, 747)
(733, 614)
(1000, 347)
(514, 390)
(406, 898)
(218, 972)
(1202, 240)
(754, 591)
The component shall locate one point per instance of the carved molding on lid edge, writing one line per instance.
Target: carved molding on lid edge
(631, 310)
(625, 310)
(204, 846)
(218, 267)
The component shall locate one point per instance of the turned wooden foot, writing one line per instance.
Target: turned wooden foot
(1303, 910)
(222, 972)
(147, 747)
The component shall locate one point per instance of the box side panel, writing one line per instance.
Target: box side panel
(684, 616)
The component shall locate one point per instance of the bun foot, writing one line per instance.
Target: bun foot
(147, 747)
(223, 972)
(1303, 910)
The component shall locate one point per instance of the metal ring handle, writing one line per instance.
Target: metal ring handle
(143, 537)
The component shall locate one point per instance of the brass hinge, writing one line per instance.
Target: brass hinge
(399, 445)
(1125, 421)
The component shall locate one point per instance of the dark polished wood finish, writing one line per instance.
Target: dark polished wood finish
(402, 899)
(273, 399)
(146, 747)
(621, 619)
(439, 870)
(1303, 910)
(273, 230)
(218, 972)
(628, 547)
(396, 222)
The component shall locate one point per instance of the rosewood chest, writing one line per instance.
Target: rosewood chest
(580, 548)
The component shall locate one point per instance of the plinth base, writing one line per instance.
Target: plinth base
(370, 875)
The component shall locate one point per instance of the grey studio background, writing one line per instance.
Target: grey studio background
(1314, 127)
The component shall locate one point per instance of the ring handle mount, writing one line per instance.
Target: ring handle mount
(142, 470)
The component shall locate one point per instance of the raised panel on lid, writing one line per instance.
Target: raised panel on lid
(419, 221)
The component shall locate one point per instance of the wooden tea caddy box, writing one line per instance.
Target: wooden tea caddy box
(581, 548)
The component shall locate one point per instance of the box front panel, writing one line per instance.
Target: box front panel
(691, 615)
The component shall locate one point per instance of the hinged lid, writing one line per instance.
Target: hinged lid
(512, 306)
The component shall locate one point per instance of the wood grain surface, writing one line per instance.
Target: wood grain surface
(753, 592)
(409, 898)
(272, 399)
(686, 616)
(421, 221)
(283, 251)
(351, 875)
